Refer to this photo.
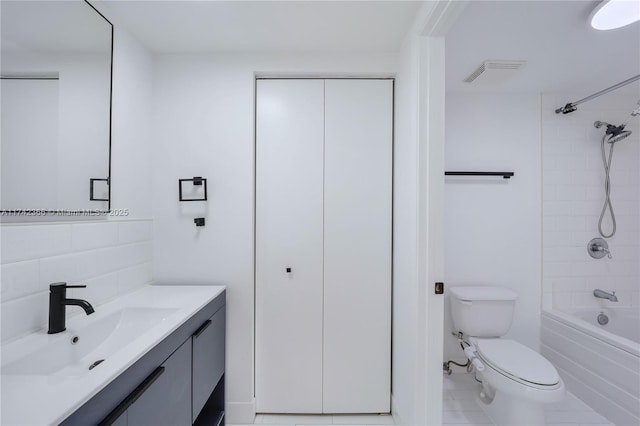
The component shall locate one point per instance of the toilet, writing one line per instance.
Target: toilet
(516, 381)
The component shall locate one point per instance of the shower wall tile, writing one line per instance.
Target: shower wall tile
(108, 257)
(573, 194)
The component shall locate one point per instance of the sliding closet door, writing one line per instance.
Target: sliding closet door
(357, 246)
(289, 192)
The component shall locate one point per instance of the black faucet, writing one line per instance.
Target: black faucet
(58, 306)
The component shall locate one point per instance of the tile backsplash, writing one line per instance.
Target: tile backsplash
(110, 258)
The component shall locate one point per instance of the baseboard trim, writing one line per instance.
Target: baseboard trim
(395, 413)
(240, 412)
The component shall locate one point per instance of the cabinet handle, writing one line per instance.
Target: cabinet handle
(202, 328)
(133, 397)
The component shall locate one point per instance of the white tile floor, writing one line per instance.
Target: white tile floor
(326, 419)
(459, 407)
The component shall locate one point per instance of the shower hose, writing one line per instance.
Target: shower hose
(606, 161)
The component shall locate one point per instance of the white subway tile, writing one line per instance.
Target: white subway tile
(571, 192)
(110, 259)
(562, 300)
(577, 131)
(560, 146)
(121, 257)
(572, 223)
(557, 238)
(26, 242)
(137, 276)
(586, 207)
(19, 279)
(24, 315)
(557, 177)
(86, 236)
(603, 282)
(101, 289)
(549, 193)
(586, 300)
(132, 232)
(624, 193)
(586, 178)
(558, 269)
(557, 208)
(550, 223)
(582, 238)
(67, 268)
(569, 284)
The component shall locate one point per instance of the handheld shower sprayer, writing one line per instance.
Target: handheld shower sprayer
(616, 133)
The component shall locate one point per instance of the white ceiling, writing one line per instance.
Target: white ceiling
(266, 26)
(564, 53)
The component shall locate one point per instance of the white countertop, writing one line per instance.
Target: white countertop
(48, 400)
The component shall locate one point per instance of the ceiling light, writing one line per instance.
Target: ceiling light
(611, 14)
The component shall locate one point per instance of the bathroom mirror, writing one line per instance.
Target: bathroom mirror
(56, 62)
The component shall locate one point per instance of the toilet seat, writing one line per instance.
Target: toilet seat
(517, 362)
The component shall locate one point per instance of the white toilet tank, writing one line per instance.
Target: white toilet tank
(482, 311)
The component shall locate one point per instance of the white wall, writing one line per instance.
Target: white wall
(573, 188)
(204, 126)
(110, 256)
(493, 226)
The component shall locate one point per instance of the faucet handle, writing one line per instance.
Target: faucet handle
(62, 284)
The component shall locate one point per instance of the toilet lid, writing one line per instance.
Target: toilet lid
(517, 360)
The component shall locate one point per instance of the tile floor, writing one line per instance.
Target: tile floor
(336, 419)
(458, 408)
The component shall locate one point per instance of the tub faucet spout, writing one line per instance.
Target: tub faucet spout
(601, 294)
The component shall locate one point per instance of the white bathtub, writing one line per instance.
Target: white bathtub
(598, 366)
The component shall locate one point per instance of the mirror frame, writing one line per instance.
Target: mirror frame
(27, 214)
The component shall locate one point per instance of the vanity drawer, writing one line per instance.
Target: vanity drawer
(208, 359)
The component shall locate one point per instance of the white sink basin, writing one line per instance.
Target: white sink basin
(86, 343)
(50, 373)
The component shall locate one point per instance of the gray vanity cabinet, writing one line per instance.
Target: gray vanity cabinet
(167, 402)
(179, 382)
(208, 359)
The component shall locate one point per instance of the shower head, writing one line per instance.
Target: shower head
(616, 133)
(619, 136)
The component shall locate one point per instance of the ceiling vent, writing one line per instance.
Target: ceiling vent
(495, 72)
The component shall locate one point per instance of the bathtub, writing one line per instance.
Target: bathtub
(600, 364)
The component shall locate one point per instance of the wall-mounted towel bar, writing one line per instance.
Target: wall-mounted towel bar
(505, 175)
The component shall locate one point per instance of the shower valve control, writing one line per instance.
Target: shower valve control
(598, 248)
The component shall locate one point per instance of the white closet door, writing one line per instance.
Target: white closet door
(289, 169)
(357, 246)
